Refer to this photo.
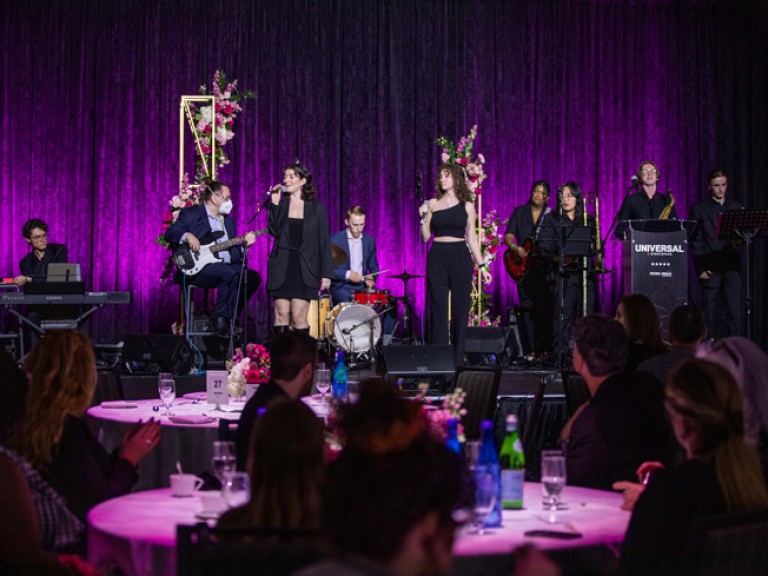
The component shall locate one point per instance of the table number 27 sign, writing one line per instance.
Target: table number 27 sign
(216, 387)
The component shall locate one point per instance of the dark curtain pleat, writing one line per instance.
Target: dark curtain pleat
(359, 90)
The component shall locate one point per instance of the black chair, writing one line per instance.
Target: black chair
(734, 543)
(576, 391)
(532, 422)
(482, 388)
(227, 430)
(205, 551)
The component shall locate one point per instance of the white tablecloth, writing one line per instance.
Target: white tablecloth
(137, 532)
(189, 444)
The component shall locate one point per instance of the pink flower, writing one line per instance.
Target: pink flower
(445, 158)
(462, 161)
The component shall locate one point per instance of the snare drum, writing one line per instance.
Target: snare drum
(318, 312)
(353, 327)
(372, 298)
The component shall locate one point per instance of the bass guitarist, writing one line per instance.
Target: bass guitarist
(529, 272)
(194, 226)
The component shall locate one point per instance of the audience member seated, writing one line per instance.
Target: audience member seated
(392, 511)
(35, 520)
(293, 356)
(749, 366)
(637, 314)
(623, 424)
(686, 331)
(286, 464)
(722, 472)
(55, 438)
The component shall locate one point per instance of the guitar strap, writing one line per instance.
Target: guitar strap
(540, 221)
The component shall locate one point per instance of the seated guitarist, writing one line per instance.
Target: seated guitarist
(533, 288)
(194, 227)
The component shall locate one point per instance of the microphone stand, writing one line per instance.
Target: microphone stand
(615, 221)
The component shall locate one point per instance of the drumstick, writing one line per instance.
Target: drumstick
(375, 274)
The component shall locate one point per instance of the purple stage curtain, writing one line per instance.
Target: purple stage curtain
(359, 90)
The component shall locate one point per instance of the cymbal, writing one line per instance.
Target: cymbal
(338, 255)
(404, 276)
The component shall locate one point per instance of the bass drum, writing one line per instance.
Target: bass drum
(349, 327)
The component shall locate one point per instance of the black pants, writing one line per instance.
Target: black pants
(728, 286)
(449, 268)
(537, 309)
(226, 277)
(573, 307)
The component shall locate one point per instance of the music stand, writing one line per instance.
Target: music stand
(746, 224)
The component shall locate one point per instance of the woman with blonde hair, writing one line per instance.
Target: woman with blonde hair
(56, 440)
(722, 472)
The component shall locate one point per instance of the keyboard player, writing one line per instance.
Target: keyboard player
(34, 266)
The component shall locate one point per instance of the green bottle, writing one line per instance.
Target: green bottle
(512, 461)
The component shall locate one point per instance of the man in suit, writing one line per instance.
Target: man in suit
(192, 227)
(717, 262)
(350, 276)
(647, 203)
(34, 266)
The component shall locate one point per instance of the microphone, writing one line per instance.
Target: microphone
(423, 216)
(271, 191)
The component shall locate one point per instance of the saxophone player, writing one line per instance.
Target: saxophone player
(646, 202)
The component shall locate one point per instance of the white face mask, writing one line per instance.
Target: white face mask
(226, 207)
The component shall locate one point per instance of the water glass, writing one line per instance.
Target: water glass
(322, 382)
(471, 451)
(224, 460)
(485, 498)
(166, 388)
(552, 477)
(237, 489)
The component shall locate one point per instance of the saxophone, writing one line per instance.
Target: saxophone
(668, 208)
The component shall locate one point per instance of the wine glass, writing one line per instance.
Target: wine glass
(166, 387)
(236, 490)
(224, 460)
(552, 477)
(485, 498)
(323, 382)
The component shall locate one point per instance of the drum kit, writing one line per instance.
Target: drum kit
(356, 326)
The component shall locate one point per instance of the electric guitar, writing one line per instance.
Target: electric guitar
(191, 263)
(518, 266)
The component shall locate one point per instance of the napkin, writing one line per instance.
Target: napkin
(119, 404)
(191, 419)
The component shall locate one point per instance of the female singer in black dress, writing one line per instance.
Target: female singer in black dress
(451, 217)
(300, 261)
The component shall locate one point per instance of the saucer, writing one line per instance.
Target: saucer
(208, 515)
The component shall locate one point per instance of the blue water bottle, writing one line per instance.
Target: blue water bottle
(488, 459)
(339, 386)
(452, 440)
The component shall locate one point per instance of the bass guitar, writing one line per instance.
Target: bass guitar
(191, 263)
(518, 266)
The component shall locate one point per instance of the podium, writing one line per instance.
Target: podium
(654, 263)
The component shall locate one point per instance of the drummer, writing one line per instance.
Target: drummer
(351, 275)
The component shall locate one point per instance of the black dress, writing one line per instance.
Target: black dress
(293, 286)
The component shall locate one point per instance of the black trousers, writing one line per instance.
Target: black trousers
(725, 285)
(537, 308)
(572, 307)
(226, 277)
(449, 268)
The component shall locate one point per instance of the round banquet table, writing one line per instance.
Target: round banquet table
(187, 437)
(137, 532)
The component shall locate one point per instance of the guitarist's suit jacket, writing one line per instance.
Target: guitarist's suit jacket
(195, 220)
(341, 288)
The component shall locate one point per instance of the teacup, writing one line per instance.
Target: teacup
(184, 484)
(212, 502)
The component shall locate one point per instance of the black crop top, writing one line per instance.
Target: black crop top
(450, 221)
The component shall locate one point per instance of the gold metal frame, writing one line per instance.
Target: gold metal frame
(185, 111)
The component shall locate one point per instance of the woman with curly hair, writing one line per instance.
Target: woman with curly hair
(641, 321)
(300, 261)
(55, 438)
(721, 474)
(451, 218)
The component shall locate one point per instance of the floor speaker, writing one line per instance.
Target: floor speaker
(153, 353)
(486, 339)
(415, 361)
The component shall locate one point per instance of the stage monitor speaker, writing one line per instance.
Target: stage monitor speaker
(153, 353)
(415, 361)
(486, 339)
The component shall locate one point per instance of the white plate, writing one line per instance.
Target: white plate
(206, 515)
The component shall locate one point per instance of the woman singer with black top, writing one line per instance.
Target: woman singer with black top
(451, 217)
(300, 261)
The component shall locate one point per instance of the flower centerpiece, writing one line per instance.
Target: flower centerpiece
(437, 418)
(251, 367)
(462, 154)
